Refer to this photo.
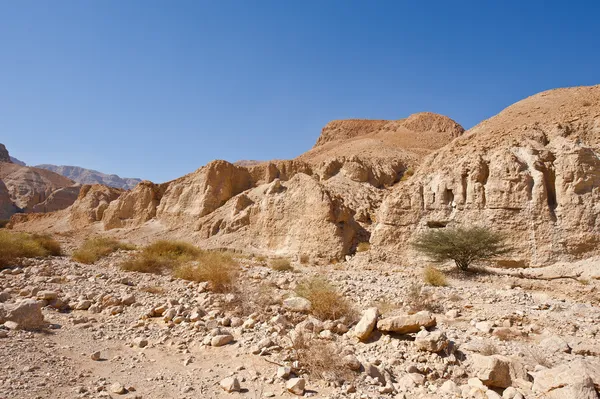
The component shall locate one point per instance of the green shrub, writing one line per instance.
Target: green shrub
(463, 245)
(95, 248)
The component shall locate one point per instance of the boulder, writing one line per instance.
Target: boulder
(407, 324)
(435, 341)
(367, 323)
(577, 379)
(296, 386)
(230, 384)
(220, 340)
(493, 371)
(26, 314)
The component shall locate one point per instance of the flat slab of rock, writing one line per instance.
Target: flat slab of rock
(407, 324)
(26, 314)
(220, 340)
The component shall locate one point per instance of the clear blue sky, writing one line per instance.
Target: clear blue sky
(155, 89)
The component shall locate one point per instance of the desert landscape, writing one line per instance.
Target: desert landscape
(404, 258)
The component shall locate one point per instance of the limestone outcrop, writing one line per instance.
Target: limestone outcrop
(4, 155)
(91, 205)
(532, 171)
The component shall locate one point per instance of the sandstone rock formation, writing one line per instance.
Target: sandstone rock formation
(7, 208)
(90, 176)
(34, 190)
(532, 171)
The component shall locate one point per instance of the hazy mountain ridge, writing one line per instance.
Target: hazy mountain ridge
(90, 176)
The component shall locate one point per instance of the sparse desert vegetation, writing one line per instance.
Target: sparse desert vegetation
(463, 245)
(95, 248)
(433, 276)
(327, 303)
(15, 245)
(281, 265)
(363, 247)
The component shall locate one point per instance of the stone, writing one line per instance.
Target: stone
(230, 384)
(220, 340)
(493, 371)
(284, 372)
(47, 295)
(483, 326)
(95, 356)
(140, 342)
(555, 344)
(26, 314)
(367, 323)
(576, 379)
(450, 388)
(407, 324)
(296, 386)
(297, 304)
(435, 341)
(118, 388)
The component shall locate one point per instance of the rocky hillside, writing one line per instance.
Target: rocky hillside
(320, 205)
(89, 176)
(531, 171)
(26, 189)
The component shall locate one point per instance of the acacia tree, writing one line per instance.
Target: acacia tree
(463, 245)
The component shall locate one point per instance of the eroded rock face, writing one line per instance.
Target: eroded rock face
(91, 204)
(532, 171)
(58, 199)
(134, 207)
(200, 193)
(287, 218)
(7, 208)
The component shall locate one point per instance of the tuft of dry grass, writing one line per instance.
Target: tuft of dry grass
(417, 300)
(22, 245)
(216, 268)
(385, 306)
(321, 359)
(161, 256)
(95, 248)
(304, 259)
(187, 262)
(488, 349)
(363, 247)
(434, 276)
(327, 303)
(281, 265)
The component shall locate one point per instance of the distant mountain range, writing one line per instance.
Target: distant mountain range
(16, 161)
(89, 176)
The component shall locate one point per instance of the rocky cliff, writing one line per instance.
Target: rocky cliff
(4, 156)
(532, 171)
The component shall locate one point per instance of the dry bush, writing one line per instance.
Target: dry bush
(418, 300)
(217, 268)
(363, 247)
(244, 299)
(95, 248)
(161, 256)
(281, 265)
(385, 306)
(260, 259)
(3, 223)
(153, 289)
(327, 303)
(22, 245)
(304, 259)
(539, 357)
(321, 359)
(435, 277)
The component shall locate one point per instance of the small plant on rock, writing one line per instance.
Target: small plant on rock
(463, 245)
(363, 247)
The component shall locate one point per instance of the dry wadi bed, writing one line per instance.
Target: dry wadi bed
(111, 333)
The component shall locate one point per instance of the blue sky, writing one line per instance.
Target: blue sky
(155, 89)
